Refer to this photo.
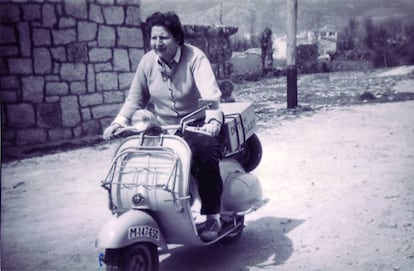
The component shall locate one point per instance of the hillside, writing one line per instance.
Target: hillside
(253, 16)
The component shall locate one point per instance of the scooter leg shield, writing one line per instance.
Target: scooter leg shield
(129, 228)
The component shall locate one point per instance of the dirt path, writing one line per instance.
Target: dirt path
(340, 183)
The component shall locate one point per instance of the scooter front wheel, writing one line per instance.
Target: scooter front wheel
(136, 257)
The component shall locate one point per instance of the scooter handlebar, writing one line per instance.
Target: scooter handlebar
(131, 130)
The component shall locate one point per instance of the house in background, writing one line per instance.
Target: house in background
(325, 38)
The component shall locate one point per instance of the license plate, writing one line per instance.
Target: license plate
(143, 231)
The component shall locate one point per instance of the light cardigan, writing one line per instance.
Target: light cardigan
(174, 89)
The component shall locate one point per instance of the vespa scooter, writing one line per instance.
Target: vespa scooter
(154, 198)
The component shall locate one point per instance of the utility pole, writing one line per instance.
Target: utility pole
(292, 82)
(221, 13)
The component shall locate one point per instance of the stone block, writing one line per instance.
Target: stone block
(95, 13)
(70, 111)
(49, 115)
(20, 66)
(41, 37)
(78, 87)
(66, 22)
(42, 61)
(106, 2)
(77, 131)
(125, 80)
(9, 50)
(86, 114)
(56, 67)
(133, 16)
(76, 9)
(8, 96)
(105, 111)
(91, 78)
(78, 52)
(87, 31)
(106, 81)
(63, 36)
(33, 88)
(49, 19)
(52, 99)
(30, 136)
(3, 66)
(51, 78)
(130, 37)
(121, 60)
(31, 12)
(91, 99)
(113, 97)
(100, 55)
(135, 56)
(24, 39)
(106, 36)
(73, 72)
(57, 88)
(129, 2)
(20, 115)
(113, 15)
(9, 13)
(103, 67)
(7, 82)
(59, 54)
(92, 127)
(60, 134)
(8, 135)
(8, 35)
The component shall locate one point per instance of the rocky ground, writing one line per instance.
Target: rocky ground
(338, 170)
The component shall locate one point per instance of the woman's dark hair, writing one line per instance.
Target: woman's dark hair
(170, 21)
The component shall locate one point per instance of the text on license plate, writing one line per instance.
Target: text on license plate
(143, 231)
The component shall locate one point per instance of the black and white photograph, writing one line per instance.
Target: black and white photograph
(221, 135)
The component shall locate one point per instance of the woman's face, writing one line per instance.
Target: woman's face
(163, 43)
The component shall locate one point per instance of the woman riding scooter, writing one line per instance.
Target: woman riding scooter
(172, 77)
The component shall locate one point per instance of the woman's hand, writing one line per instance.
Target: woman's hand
(110, 130)
(213, 127)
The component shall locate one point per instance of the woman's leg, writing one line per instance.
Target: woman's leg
(206, 154)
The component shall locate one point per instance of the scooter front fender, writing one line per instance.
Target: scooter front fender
(131, 227)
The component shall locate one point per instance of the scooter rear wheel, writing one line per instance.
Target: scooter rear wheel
(251, 156)
(137, 257)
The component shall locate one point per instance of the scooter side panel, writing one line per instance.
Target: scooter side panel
(129, 228)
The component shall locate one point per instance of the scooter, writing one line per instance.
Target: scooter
(154, 199)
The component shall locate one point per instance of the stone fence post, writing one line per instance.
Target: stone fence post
(215, 42)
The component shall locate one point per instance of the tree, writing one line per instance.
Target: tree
(266, 44)
(385, 43)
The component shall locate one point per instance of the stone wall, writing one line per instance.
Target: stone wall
(65, 66)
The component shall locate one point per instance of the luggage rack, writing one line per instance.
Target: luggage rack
(139, 171)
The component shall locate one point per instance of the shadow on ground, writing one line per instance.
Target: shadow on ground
(263, 243)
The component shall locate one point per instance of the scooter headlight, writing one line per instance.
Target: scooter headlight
(137, 199)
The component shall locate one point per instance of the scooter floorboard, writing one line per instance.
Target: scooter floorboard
(226, 229)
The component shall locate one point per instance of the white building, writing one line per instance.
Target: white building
(325, 38)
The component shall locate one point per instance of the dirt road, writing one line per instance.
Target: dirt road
(341, 183)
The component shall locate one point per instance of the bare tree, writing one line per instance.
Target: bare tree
(266, 45)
